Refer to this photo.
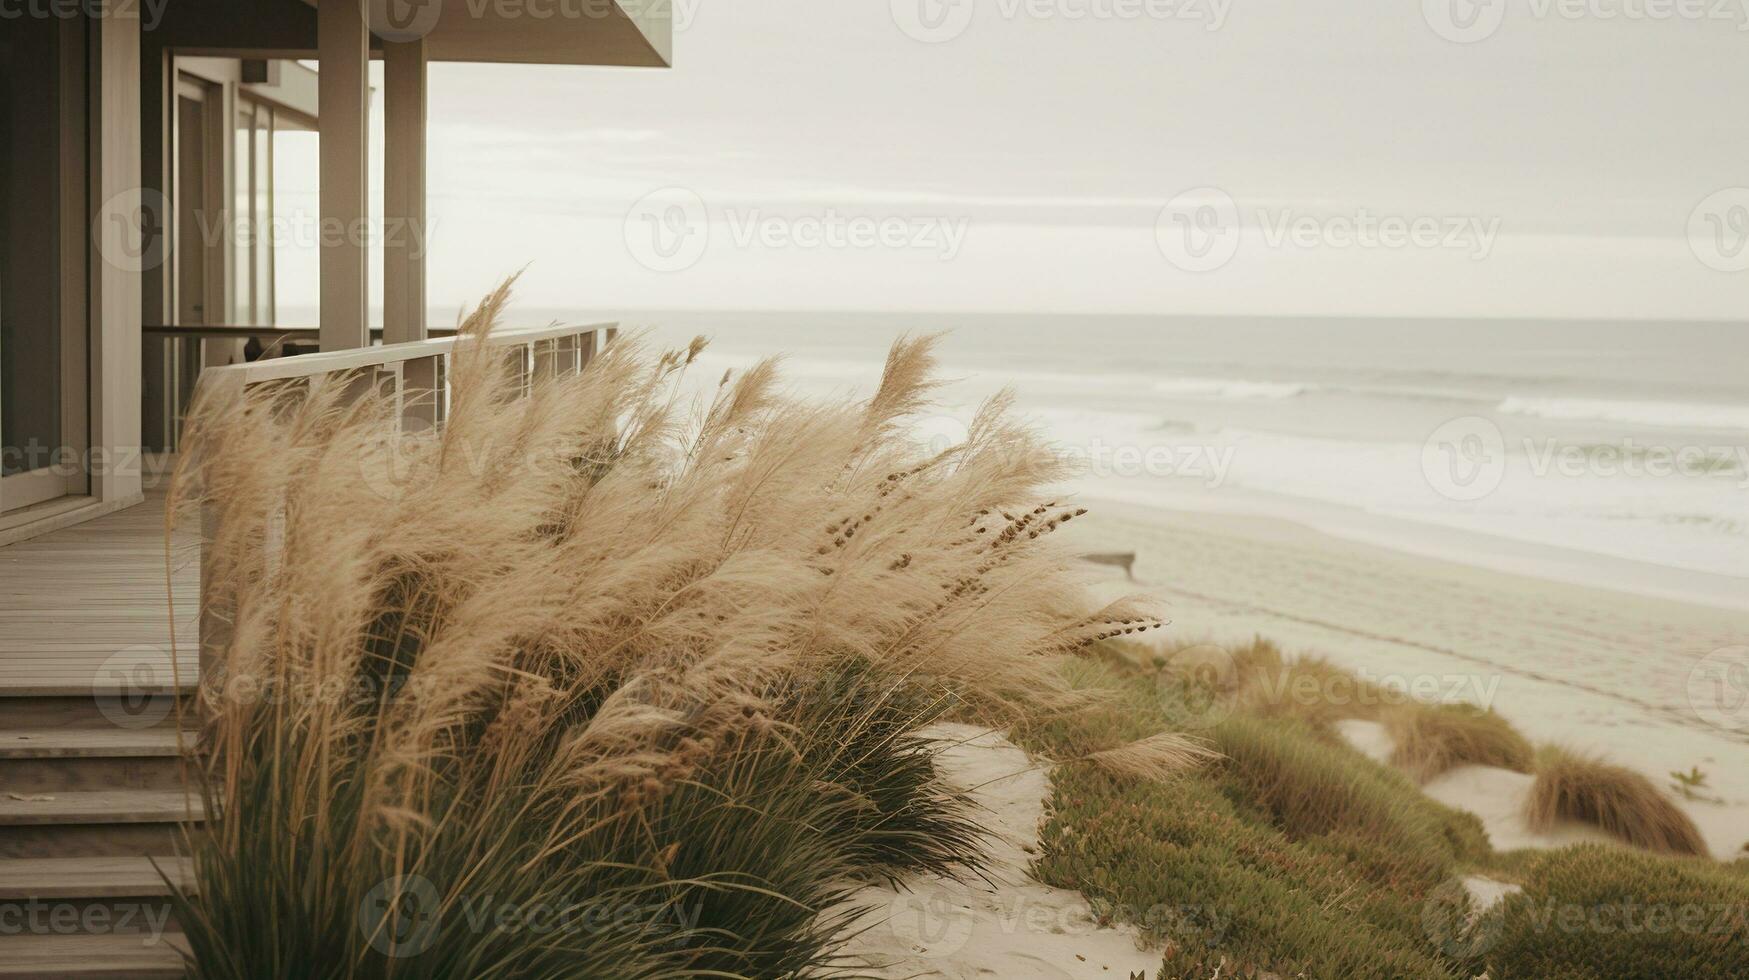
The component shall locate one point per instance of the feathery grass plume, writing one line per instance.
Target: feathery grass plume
(1431, 739)
(1157, 757)
(595, 651)
(1620, 801)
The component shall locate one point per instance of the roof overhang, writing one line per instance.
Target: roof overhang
(635, 33)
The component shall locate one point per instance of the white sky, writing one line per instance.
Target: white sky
(1584, 141)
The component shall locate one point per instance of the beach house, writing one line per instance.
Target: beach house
(140, 217)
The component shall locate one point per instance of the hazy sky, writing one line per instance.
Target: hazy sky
(1551, 159)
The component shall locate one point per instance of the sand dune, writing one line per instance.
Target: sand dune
(1592, 669)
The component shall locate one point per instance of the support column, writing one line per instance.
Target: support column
(404, 224)
(128, 243)
(342, 99)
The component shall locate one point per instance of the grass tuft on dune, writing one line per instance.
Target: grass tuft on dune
(1570, 786)
(1432, 739)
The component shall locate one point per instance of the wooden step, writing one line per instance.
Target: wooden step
(34, 712)
(91, 957)
(56, 879)
(24, 809)
(87, 743)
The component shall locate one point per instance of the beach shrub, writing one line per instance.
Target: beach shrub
(1205, 868)
(1602, 913)
(603, 680)
(1620, 801)
(1434, 738)
(1311, 788)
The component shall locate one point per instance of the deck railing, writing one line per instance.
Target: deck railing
(419, 369)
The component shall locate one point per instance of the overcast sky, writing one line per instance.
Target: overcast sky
(1576, 160)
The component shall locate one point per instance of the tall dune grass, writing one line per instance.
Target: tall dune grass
(633, 672)
(1430, 739)
(1570, 786)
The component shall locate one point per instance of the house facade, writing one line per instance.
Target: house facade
(138, 198)
(140, 148)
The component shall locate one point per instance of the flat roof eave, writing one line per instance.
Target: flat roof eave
(629, 33)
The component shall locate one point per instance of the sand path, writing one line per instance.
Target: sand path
(1009, 926)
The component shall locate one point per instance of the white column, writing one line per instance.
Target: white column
(342, 99)
(115, 300)
(404, 225)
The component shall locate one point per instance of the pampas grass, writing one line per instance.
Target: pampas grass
(1620, 801)
(606, 653)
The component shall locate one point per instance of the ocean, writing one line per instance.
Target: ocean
(1620, 439)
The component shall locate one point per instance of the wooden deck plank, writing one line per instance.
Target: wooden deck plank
(87, 609)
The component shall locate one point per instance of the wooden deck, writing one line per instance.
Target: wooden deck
(86, 610)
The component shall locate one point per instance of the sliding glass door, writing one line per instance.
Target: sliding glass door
(44, 253)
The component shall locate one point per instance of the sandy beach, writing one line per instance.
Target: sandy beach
(1590, 668)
